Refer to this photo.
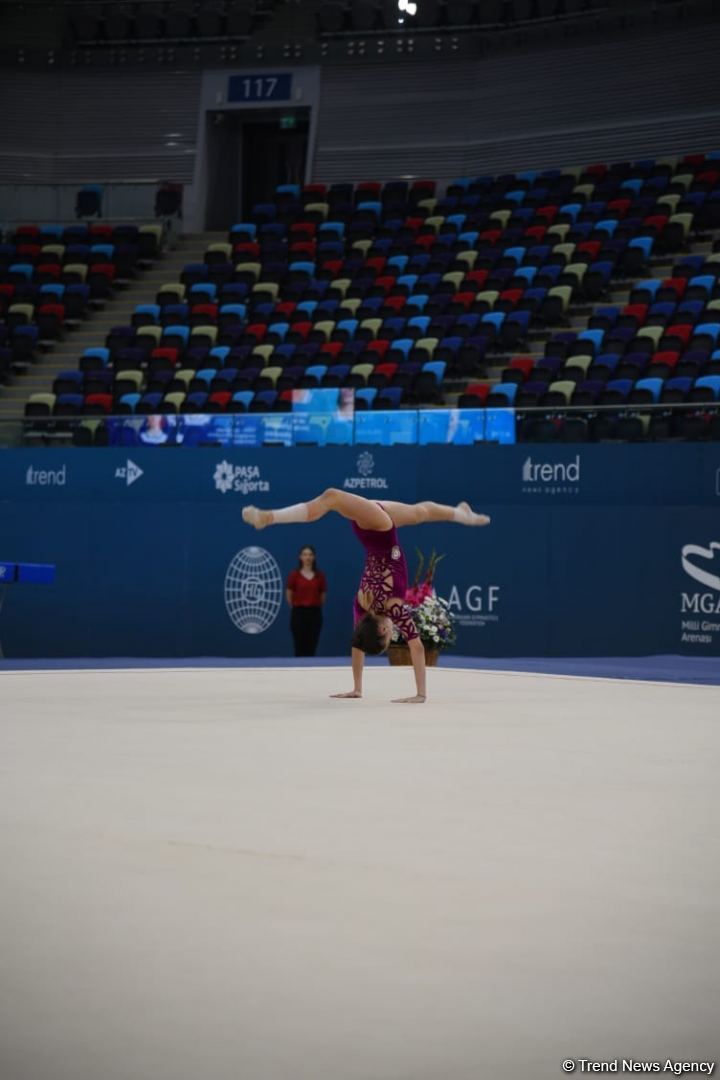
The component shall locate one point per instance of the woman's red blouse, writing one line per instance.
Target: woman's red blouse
(306, 592)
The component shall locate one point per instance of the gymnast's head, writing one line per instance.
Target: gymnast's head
(373, 634)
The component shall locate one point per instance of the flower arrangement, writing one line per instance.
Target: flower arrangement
(431, 613)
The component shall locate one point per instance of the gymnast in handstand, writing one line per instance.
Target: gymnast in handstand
(380, 599)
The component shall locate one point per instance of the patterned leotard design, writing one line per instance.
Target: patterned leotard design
(385, 577)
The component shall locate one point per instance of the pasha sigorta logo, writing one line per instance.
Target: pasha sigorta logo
(245, 479)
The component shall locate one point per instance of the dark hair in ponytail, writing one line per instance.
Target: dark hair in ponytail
(366, 636)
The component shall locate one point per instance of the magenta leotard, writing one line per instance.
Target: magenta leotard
(385, 576)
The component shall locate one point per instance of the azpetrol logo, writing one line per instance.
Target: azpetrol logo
(706, 572)
(551, 477)
(244, 479)
(130, 472)
(365, 463)
(365, 481)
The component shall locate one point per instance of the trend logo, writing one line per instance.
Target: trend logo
(130, 472)
(46, 477)
(551, 472)
(700, 573)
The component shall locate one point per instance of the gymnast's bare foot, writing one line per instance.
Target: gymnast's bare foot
(469, 517)
(259, 518)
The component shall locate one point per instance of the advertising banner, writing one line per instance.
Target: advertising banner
(592, 550)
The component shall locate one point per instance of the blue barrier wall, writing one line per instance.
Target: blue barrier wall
(593, 550)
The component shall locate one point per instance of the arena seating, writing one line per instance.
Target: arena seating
(394, 288)
(363, 16)
(51, 275)
(151, 23)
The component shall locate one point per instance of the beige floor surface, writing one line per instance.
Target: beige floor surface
(225, 875)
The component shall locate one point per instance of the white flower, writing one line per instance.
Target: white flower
(434, 622)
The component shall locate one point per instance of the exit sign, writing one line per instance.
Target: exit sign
(260, 87)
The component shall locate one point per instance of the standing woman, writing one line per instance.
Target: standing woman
(306, 592)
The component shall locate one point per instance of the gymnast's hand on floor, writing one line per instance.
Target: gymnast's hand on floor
(418, 699)
(351, 693)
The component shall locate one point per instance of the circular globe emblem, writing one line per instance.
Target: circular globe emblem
(253, 590)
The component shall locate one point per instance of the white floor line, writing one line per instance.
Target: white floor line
(445, 669)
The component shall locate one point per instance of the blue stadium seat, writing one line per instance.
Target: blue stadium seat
(367, 394)
(505, 390)
(710, 381)
(654, 386)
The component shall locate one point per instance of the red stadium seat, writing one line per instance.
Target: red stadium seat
(523, 363)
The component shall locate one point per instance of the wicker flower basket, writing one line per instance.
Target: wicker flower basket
(399, 656)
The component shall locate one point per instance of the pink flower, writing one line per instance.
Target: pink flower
(419, 593)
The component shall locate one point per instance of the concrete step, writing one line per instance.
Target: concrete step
(214, 236)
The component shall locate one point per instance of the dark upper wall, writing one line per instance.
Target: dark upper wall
(654, 94)
(110, 125)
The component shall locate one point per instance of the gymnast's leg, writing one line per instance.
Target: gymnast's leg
(423, 512)
(364, 512)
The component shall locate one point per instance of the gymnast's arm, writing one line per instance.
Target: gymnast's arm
(400, 615)
(358, 662)
(417, 655)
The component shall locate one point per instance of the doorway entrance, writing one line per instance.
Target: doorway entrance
(250, 152)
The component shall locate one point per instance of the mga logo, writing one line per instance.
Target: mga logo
(244, 479)
(701, 573)
(130, 472)
(700, 563)
(551, 477)
(365, 480)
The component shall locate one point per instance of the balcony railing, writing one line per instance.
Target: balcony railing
(398, 427)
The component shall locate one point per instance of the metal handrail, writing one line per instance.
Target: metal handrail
(634, 407)
(694, 406)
